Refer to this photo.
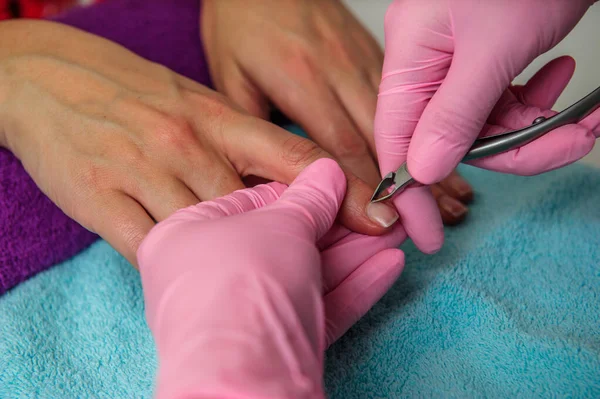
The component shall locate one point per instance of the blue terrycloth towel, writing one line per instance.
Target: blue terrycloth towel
(509, 308)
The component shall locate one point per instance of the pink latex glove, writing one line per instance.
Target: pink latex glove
(446, 80)
(241, 299)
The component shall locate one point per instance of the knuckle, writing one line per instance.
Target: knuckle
(302, 62)
(298, 152)
(215, 104)
(173, 133)
(90, 177)
(131, 155)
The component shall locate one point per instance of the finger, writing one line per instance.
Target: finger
(556, 149)
(546, 86)
(450, 124)
(411, 75)
(241, 90)
(457, 112)
(162, 195)
(457, 187)
(305, 96)
(451, 209)
(338, 133)
(335, 234)
(238, 202)
(255, 147)
(359, 292)
(358, 98)
(122, 222)
(434, 99)
(235, 203)
(211, 177)
(518, 105)
(351, 251)
(375, 61)
(421, 218)
(315, 196)
(372, 51)
(544, 89)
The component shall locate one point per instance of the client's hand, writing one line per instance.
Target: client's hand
(118, 142)
(242, 302)
(312, 59)
(318, 64)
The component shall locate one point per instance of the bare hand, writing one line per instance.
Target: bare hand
(311, 59)
(118, 142)
(316, 62)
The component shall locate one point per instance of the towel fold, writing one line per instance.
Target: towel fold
(509, 308)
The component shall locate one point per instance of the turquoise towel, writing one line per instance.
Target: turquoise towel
(509, 308)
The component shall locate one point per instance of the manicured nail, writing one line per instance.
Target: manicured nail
(461, 187)
(383, 215)
(452, 206)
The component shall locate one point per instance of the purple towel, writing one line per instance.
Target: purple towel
(34, 233)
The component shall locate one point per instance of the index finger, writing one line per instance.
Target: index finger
(259, 148)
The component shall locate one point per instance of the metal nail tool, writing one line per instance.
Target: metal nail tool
(395, 182)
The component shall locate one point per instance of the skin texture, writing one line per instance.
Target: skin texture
(446, 81)
(315, 62)
(118, 142)
(268, 338)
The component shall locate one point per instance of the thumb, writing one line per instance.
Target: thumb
(546, 86)
(315, 196)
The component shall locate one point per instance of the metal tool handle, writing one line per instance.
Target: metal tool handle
(507, 141)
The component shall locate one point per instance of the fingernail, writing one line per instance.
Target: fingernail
(382, 214)
(461, 187)
(452, 206)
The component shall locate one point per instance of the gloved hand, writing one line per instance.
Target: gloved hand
(446, 80)
(236, 296)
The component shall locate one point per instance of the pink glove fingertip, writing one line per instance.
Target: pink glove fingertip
(556, 149)
(420, 216)
(317, 194)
